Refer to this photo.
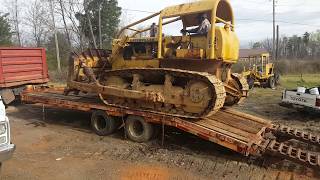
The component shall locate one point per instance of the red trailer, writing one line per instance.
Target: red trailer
(20, 67)
(240, 132)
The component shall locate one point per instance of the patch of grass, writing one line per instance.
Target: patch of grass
(306, 80)
(265, 95)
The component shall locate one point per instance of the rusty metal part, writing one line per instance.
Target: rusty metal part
(237, 89)
(292, 133)
(284, 151)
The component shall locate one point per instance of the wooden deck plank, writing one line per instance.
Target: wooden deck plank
(222, 128)
(237, 122)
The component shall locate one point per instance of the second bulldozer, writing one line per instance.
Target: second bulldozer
(187, 75)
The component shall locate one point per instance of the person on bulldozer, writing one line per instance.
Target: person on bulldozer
(203, 28)
(153, 30)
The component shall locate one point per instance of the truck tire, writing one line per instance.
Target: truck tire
(138, 130)
(250, 81)
(272, 82)
(277, 79)
(103, 124)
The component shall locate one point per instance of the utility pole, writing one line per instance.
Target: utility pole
(17, 23)
(277, 44)
(274, 30)
(100, 33)
(55, 35)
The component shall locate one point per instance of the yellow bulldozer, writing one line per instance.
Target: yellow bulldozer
(187, 75)
(258, 69)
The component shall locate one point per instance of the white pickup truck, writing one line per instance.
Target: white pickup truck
(306, 100)
(6, 147)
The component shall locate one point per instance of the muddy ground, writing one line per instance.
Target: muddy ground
(58, 144)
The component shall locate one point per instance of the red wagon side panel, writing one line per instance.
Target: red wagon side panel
(21, 66)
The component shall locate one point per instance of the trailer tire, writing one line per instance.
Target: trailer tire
(138, 130)
(103, 124)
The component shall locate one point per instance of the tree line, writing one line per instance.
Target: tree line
(302, 47)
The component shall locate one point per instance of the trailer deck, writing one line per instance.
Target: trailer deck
(240, 132)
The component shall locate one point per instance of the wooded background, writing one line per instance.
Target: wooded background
(36, 26)
(302, 47)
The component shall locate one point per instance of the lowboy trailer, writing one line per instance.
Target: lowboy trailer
(240, 132)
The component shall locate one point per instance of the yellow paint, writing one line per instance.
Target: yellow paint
(135, 63)
(191, 8)
(160, 37)
(226, 45)
(190, 53)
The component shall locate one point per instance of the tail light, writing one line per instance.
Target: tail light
(318, 102)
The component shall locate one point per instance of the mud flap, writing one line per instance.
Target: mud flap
(7, 96)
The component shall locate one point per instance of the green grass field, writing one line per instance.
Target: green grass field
(306, 80)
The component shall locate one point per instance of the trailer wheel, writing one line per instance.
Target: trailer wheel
(103, 124)
(138, 130)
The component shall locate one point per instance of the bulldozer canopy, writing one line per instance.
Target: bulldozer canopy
(189, 12)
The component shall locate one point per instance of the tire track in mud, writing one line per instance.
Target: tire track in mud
(219, 164)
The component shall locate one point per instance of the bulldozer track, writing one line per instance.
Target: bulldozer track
(216, 89)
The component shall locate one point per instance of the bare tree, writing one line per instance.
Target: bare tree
(62, 10)
(71, 9)
(37, 19)
(14, 8)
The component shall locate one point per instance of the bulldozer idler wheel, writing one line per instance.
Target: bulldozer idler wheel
(103, 124)
(138, 130)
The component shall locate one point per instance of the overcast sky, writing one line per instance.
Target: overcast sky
(253, 17)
